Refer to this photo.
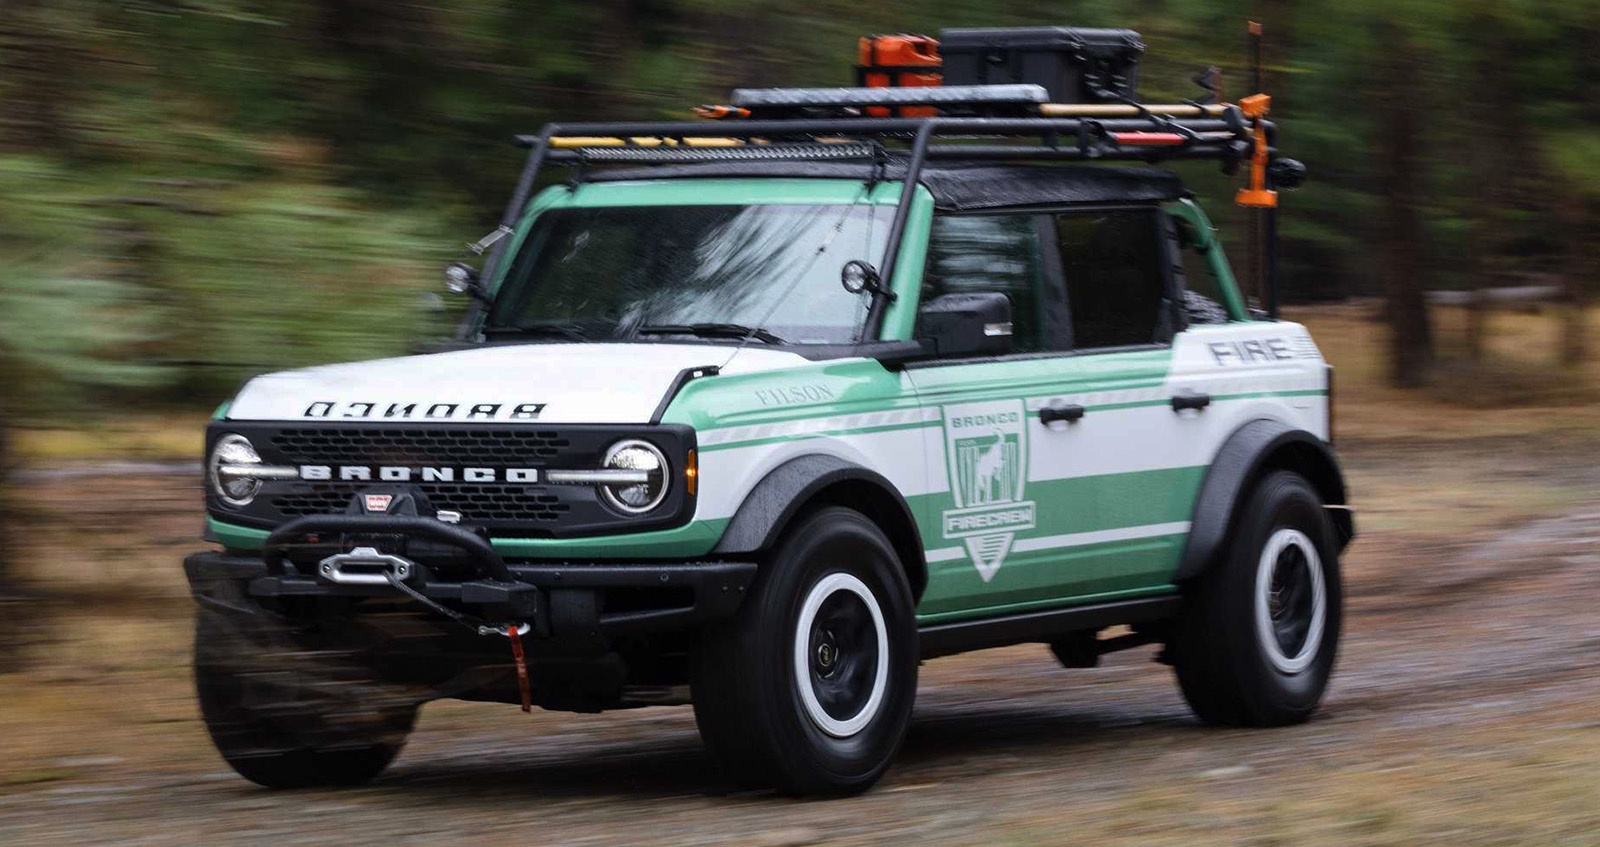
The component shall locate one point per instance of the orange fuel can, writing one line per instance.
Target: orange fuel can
(884, 61)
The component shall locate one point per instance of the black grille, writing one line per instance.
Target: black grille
(440, 446)
(501, 503)
(433, 446)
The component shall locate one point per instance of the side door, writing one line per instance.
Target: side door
(1053, 476)
(1132, 464)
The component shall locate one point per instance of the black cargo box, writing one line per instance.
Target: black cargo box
(1074, 65)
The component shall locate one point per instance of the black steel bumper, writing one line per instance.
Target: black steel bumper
(554, 597)
(410, 598)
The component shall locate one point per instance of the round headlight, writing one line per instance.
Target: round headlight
(230, 453)
(636, 497)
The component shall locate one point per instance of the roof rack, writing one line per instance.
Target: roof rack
(1013, 122)
(973, 122)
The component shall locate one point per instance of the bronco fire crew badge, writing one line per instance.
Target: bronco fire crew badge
(986, 448)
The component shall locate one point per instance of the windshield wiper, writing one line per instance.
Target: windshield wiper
(711, 330)
(550, 330)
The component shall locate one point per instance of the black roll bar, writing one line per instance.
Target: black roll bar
(897, 228)
(1225, 138)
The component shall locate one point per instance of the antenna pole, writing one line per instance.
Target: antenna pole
(1267, 228)
(1255, 56)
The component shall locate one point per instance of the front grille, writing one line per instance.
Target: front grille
(440, 446)
(405, 446)
(499, 503)
(505, 509)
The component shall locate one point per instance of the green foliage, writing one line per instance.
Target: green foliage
(275, 275)
(253, 184)
(64, 324)
(173, 291)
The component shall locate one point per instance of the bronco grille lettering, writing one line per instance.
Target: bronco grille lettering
(401, 473)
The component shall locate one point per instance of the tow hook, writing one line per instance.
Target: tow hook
(512, 631)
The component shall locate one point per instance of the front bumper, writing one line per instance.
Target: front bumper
(602, 634)
(552, 596)
(461, 569)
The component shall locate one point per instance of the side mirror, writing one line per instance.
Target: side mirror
(462, 278)
(857, 276)
(960, 325)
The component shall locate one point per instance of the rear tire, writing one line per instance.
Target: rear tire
(1256, 641)
(283, 718)
(809, 687)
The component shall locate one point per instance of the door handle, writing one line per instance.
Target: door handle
(1066, 413)
(1196, 400)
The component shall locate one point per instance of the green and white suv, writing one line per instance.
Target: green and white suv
(763, 434)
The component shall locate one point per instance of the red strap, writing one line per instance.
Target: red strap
(1148, 139)
(522, 667)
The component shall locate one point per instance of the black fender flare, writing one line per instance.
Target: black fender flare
(805, 480)
(1258, 446)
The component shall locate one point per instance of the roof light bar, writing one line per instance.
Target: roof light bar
(948, 95)
(750, 152)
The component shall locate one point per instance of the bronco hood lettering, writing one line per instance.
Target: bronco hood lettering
(526, 383)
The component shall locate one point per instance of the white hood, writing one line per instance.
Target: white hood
(548, 383)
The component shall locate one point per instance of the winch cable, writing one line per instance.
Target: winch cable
(827, 241)
(479, 626)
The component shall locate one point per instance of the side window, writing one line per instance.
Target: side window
(1203, 302)
(969, 254)
(1115, 263)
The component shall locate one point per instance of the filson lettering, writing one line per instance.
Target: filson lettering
(790, 395)
(363, 410)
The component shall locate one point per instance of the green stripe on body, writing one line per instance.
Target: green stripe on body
(963, 394)
(1036, 605)
(834, 433)
(824, 433)
(1066, 507)
(688, 541)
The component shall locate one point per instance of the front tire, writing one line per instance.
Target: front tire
(809, 687)
(282, 717)
(1256, 641)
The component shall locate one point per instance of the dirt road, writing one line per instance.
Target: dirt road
(1465, 711)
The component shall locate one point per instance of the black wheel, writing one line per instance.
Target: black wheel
(809, 687)
(284, 718)
(1256, 641)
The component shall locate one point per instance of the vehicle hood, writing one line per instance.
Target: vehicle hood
(547, 383)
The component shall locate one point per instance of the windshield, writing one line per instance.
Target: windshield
(621, 273)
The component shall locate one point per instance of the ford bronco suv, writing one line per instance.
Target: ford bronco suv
(760, 412)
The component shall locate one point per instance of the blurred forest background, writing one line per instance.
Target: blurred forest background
(195, 190)
(192, 191)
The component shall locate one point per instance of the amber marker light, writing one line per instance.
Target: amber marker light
(691, 472)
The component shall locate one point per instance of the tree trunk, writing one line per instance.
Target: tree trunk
(1399, 169)
(1493, 89)
(1584, 257)
(10, 615)
(1583, 265)
(35, 67)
